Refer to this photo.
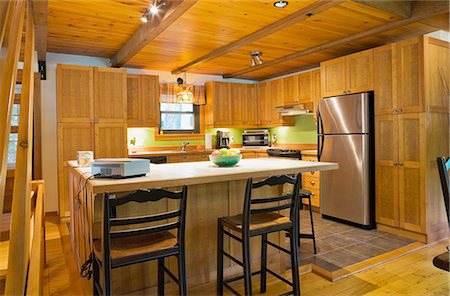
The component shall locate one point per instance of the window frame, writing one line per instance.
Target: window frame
(197, 125)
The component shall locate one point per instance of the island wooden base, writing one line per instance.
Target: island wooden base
(206, 203)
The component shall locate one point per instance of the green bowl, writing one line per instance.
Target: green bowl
(225, 160)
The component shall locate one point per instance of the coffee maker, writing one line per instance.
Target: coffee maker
(222, 140)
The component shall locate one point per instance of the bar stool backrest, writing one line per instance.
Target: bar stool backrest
(142, 196)
(444, 167)
(291, 200)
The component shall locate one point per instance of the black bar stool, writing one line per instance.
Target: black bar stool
(306, 194)
(261, 221)
(118, 248)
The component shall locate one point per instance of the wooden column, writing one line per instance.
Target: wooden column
(21, 206)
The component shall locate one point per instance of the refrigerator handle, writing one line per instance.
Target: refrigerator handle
(319, 123)
(320, 141)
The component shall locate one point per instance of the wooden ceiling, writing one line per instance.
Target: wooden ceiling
(102, 28)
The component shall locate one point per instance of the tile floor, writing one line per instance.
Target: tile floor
(340, 245)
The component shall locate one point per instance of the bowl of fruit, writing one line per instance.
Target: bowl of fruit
(225, 157)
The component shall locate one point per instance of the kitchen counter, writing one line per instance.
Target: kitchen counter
(309, 152)
(179, 152)
(213, 192)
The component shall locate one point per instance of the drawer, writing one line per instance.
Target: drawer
(197, 157)
(310, 182)
(310, 158)
(261, 154)
(315, 197)
(176, 158)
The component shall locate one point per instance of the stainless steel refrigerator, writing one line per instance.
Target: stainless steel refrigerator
(345, 136)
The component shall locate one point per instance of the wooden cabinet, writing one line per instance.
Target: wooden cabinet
(75, 93)
(143, 100)
(110, 95)
(72, 137)
(385, 74)
(92, 116)
(311, 182)
(110, 140)
(290, 90)
(400, 171)
(270, 96)
(218, 110)
(244, 101)
(315, 90)
(348, 74)
(304, 88)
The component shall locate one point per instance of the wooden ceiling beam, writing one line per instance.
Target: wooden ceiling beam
(281, 24)
(147, 32)
(421, 11)
(399, 8)
(40, 14)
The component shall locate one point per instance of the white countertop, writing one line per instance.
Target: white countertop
(203, 172)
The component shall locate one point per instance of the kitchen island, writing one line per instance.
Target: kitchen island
(213, 192)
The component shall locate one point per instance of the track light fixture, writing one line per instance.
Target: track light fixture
(256, 58)
(154, 9)
(280, 4)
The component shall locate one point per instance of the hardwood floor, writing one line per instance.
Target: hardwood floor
(412, 274)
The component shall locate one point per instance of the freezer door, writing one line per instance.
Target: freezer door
(344, 114)
(344, 193)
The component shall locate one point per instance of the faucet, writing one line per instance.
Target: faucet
(183, 145)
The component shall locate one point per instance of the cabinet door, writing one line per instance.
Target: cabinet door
(333, 78)
(251, 105)
(276, 94)
(134, 106)
(150, 100)
(412, 175)
(265, 104)
(110, 140)
(386, 170)
(72, 137)
(222, 104)
(385, 79)
(359, 71)
(110, 95)
(304, 88)
(290, 90)
(410, 75)
(75, 93)
(315, 89)
(238, 103)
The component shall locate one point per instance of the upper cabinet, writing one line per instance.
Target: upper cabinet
(348, 74)
(244, 105)
(110, 95)
(297, 89)
(75, 93)
(218, 104)
(403, 69)
(315, 90)
(143, 100)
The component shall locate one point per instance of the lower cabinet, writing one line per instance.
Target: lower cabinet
(110, 140)
(311, 182)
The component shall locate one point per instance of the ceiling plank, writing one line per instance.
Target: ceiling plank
(285, 22)
(421, 11)
(40, 14)
(149, 31)
(399, 8)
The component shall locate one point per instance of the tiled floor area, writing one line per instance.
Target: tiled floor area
(340, 245)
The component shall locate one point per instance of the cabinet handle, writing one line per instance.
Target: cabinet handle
(312, 160)
(400, 163)
(312, 182)
(312, 194)
(394, 110)
(400, 110)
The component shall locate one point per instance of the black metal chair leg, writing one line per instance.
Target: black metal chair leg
(182, 272)
(312, 225)
(161, 276)
(294, 262)
(219, 258)
(95, 273)
(246, 259)
(263, 284)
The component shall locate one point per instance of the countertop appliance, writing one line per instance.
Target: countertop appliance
(222, 139)
(346, 137)
(277, 152)
(255, 139)
(120, 167)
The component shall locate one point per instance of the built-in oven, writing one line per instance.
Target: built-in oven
(255, 139)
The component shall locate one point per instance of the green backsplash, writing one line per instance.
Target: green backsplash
(304, 132)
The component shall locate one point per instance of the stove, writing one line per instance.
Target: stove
(276, 152)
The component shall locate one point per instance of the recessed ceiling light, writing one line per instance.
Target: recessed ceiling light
(280, 4)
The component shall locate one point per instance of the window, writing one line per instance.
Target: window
(179, 118)
(13, 138)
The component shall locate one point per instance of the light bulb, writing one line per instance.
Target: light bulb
(144, 18)
(154, 9)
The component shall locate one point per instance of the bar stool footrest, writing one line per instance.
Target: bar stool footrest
(278, 247)
(233, 259)
(279, 277)
(306, 235)
(171, 275)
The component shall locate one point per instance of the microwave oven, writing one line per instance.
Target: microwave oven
(255, 139)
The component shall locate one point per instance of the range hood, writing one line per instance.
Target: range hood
(294, 110)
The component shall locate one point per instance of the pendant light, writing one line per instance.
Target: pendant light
(184, 95)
